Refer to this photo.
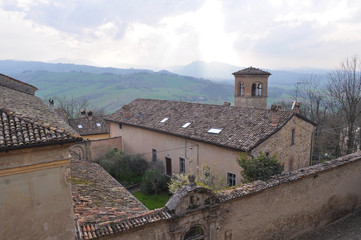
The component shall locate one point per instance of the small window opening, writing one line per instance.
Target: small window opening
(120, 126)
(80, 126)
(231, 179)
(215, 130)
(186, 124)
(292, 137)
(99, 125)
(242, 89)
(164, 120)
(182, 165)
(259, 90)
(195, 233)
(154, 155)
(254, 86)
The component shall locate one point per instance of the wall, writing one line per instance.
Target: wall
(282, 208)
(95, 136)
(35, 194)
(92, 149)
(114, 129)
(295, 156)
(220, 160)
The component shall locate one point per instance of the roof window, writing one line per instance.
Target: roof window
(186, 124)
(80, 126)
(164, 120)
(215, 130)
(99, 125)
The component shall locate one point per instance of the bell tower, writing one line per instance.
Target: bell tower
(250, 89)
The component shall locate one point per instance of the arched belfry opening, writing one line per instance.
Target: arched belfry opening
(195, 233)
(251, 88)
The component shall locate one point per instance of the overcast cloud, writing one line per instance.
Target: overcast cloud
(157, 34)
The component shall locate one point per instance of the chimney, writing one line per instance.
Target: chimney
(51, 104)
(82, 113)
(275, 114)
(126, 111)
(296, 107)
(226, 104)
(90, 115)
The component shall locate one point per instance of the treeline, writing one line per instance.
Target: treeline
(336, 108)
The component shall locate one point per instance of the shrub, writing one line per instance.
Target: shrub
(259, 168)
(153, 182)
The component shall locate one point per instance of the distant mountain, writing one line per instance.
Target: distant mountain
(222, 72)
(9, 67)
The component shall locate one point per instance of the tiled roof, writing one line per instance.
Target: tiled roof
(17, 131)
(84, 126)
(98, 197)
(251, 71)
(17, 85)
(240, 128)
(29, 106)
(97, 230)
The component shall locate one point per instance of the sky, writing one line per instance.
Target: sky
(156, 34)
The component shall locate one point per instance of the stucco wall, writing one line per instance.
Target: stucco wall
(35, 194)
(196, 154)
(295, 156)
(95, 136)
(282, 208)
(114, 129)
(101, 146)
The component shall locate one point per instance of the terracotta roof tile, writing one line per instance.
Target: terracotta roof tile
(251, 71)
(89, 127)
(17, 131)
(241, 128)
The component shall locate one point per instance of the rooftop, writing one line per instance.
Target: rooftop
(227, 126)
(251, 71)
(84, 126)
(17, 131)
(98, 197)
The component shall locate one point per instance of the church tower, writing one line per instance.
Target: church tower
(250, 89)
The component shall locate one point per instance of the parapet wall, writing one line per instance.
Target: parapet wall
(284, 207)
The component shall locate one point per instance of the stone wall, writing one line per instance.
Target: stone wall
(294, 156)
(282, 208)
(92, 149)
(248, 100)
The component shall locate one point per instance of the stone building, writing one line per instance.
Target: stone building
(35, 191)
(251, 86)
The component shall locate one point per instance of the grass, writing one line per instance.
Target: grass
(152, 201)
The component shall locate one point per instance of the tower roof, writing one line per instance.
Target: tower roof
(251, 71)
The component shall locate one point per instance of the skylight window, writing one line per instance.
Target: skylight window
(164, 120)
(99, 125)
(80, 126)
(186, 124)
(215, 130)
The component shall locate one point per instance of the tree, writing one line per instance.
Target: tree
(259, 168)
(344, 87)
(153, 182)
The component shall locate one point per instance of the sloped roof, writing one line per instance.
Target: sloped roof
(251, 71)
(84, 126)
(241, 128)
(17, 131)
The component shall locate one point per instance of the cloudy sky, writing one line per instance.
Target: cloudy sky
(161, 33)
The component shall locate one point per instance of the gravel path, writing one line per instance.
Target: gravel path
(348, 228)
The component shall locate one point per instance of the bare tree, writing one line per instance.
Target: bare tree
(344, 88)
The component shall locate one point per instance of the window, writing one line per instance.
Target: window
(215, 130)
(254, 86)
(99, 125)
(80, 126)
(259, 90)
(168, 166)
(120, 125)
(292, 137)
(195, 233)
(182, 165)
(154, 155)
(164, 120)
(231, 179)
(186, 124)
(242, 89)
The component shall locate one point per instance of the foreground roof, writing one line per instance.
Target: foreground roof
(233, 127)
(17, 132)
(251, 71)
(84, 126)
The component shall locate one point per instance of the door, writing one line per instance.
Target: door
(168, 166)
